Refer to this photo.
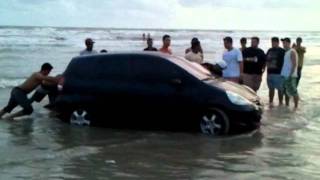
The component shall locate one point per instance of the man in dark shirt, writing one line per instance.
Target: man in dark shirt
(254, 63)
(150, 45)
(275, 58)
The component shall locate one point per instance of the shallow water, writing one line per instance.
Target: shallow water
(42, 147)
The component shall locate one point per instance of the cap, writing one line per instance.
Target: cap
(221, 63)
(286, 40)
(275, 39)
(195, 40)
(89, 40)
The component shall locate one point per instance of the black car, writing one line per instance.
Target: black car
(154, 91)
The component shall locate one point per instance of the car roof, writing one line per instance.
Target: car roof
(191, 67)
(129, 53)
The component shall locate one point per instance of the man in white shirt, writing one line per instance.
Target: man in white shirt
(89, 48)
(290, 72)
(233, 58)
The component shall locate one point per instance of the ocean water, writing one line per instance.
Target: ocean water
(42, 147)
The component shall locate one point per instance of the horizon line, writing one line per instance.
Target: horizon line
(152, 29)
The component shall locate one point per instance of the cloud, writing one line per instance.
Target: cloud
(190, 14)
(78, 12)
(250, 14)
(249, 4)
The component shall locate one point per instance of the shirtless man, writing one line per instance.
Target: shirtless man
(19, 94)
(166, 39)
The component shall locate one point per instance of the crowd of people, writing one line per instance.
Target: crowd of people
(245, 65)
(282, 65)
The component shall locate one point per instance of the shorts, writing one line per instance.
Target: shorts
(252, 80)
(275, 81)
(19, 97)
(290, 86)
(42, 91)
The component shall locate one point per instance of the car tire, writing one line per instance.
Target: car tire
(214, 122)
(80, 117)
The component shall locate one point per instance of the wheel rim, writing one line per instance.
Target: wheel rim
(211, 124)
(79, 118)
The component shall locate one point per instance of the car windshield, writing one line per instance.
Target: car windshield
(194, 69)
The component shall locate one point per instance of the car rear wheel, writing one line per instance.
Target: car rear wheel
(80, 117)
(215, 123)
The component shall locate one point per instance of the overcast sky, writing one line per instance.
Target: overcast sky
(166, 14)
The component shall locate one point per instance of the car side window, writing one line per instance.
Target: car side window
(113, 67)
(154, 69)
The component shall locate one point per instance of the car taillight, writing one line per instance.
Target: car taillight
(60, 84)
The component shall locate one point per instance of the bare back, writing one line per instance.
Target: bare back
(32, 82)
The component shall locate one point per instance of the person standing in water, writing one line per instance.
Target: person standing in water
(243, 43)
(150, 45)
(194, 53)
(254, 63)
(233, 58)
(290, 72)
(275, 57)
(166, 39)
(143, 37)
(89, 48)
(19, 94)
(301, 51)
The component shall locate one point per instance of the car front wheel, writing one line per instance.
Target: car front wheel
(214, 122)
